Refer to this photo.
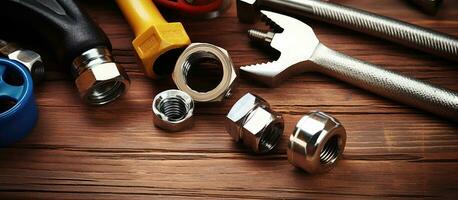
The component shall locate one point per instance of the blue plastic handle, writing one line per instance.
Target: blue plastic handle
(18, 111)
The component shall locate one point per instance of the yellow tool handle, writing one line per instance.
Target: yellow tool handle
(140, 14)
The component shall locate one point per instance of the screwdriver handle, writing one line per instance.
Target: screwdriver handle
(370, 23)
(141, 14)
(410, 91)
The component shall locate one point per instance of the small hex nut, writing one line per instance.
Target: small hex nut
(173, 110)
(102, 83)
(252, 121)
(194, 53)
(317, 143)
(28, 58)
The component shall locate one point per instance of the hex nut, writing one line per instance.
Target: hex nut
(28, 58)
(317, 143)
(102, 83)
(252, 121)
(173, 110)
(98, 78)
(192, 54)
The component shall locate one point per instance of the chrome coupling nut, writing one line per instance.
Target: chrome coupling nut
(317, 143)
(28, 58)
(173, 110)
(192, 55)
(252, 121)
(98, 78)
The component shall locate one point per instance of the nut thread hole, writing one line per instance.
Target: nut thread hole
(174, 108)
(270, 138)
(331, 151)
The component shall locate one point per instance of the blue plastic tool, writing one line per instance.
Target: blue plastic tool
(18, 111)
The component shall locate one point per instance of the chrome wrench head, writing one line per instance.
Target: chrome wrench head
(296, 43)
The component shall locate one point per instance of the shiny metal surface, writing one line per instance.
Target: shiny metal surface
(98, 78)
(194, 53)
(317, 143)
(173, 110)
(253, 122)
(28, 58)
(370, 23)
(297, 43)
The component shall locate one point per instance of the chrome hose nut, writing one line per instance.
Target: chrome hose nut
(195, 53)
(98, 78)
(173, 110)
(252, 121)
(317, 143)
(28, 58)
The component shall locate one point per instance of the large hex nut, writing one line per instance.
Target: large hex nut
(28, 58)
(195, 53)
(252, 121)
(317, 143)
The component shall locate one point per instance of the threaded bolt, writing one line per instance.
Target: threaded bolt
(260, 36)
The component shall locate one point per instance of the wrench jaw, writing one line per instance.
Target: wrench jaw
(296, 43)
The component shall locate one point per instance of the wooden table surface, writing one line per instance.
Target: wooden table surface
(115, 152)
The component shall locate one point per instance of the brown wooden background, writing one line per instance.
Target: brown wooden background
(115, 152)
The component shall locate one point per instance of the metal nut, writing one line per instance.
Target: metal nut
(317, 143)
(173, 110)
(99, 80)
(252, 121)
(28, 58)
(194, 53)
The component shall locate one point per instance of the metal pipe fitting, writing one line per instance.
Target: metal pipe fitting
(195, 53)
(173, 110)
(28, 58)
(317, 143)
(252, 121)
(98, 78)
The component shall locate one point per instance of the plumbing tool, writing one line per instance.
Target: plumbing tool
(75, 41)
(200, 8)
(18, 112)
(298, 43)
(30, 59)
(370, 23)
(157, 42)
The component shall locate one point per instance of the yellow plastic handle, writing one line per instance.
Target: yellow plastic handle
(140, 14)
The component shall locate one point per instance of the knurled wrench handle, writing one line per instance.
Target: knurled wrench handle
(370, 23)
(410, 91)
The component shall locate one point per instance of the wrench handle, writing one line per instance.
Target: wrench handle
(410, 91)
(370, 23)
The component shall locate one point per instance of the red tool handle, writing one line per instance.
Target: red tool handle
(200, 7)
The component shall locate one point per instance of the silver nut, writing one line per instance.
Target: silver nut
(173, 110)
(99, 80)
(317, 143)
(28, 58)
(194, 53)
(252, 121)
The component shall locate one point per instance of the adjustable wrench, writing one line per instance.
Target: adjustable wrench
(298, 43)
(370, 23)
(158, 43)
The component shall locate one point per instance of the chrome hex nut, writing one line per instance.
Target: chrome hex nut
(195, 53)
(102, 83)
(28, 58)
(173, 110)
(252, 121)
(317, 143)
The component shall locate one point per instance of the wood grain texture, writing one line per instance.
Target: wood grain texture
(115, 152)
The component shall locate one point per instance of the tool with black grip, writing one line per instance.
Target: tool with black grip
(76, 42)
